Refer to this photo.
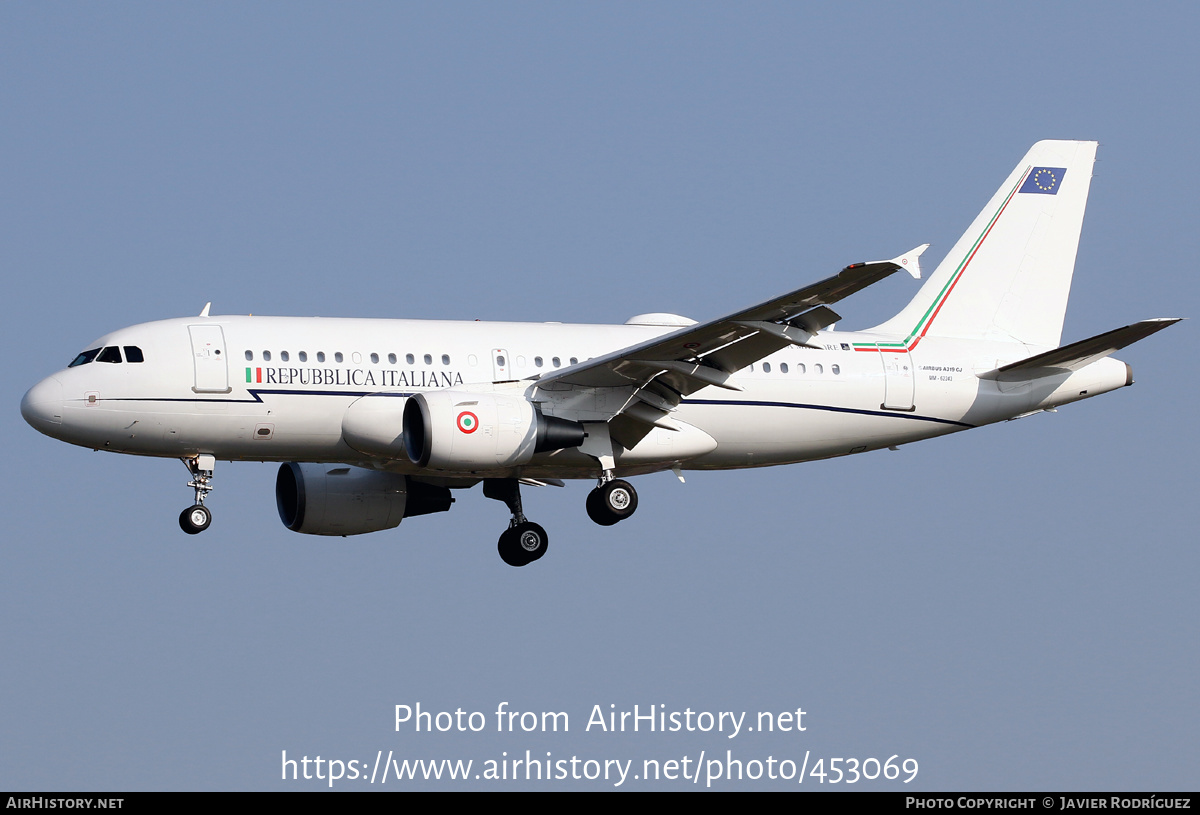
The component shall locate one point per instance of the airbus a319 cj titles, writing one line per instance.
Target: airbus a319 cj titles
(378, 420)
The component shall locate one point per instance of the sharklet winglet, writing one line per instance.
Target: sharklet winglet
(909, 261)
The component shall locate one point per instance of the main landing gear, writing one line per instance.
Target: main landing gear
(611, 501)
(524, 541)
(196, 518)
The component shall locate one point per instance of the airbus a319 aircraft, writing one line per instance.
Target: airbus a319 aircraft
(379, 420)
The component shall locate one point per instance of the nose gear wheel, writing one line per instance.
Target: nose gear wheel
(196, 518)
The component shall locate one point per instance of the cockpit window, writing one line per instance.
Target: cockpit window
(110, 354)
(133, 354)
(84, 358)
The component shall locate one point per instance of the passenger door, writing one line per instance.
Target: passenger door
(208, 356)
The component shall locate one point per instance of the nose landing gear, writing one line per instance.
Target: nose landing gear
(524, 541)
(196, 518)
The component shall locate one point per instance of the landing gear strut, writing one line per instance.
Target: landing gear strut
(196, 518)
(611, 501)
(524, 541)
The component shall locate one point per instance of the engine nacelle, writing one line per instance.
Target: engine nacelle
(373, 425)
(459, 431)
(336, 499)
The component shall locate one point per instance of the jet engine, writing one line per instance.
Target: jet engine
(373, 425)
(336, 499)
(461, 431)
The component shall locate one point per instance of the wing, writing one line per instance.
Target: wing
(658, 373)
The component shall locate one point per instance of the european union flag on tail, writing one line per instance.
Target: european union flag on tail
(1044, 180)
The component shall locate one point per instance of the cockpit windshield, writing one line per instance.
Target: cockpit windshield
(110, 353)
(84, 358)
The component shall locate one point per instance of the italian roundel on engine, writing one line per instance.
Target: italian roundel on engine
(459, 430)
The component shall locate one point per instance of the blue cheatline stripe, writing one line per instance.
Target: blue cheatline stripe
(724, 402)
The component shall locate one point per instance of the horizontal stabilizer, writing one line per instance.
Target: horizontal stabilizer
(1079, 354)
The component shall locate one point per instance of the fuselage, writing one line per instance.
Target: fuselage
(419, 408)
(278, 389)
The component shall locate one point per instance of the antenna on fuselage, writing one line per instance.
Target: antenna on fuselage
(204, 311)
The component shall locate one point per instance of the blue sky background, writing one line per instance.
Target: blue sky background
(1014, 607)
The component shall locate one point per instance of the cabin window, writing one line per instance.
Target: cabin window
(500, 361)
(410, 359)
(837, 369)
(303, 355)
(445, 359)
(84, 358)
(783, 368)
(133, 354)
(801, 368)
(429, 359)
(472, 360)
(320, 356)
(110, 354)
(766, 367)
(249, 356)
(337, 356)
(817, 369)
(266, 355)
(574, 360)
(556, 362)
(537, 362)
(374, 359)
(283, 356)
(391, 359)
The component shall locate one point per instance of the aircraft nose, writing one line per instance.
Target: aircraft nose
(42, 405)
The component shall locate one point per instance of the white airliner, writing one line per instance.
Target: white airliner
(378, 420)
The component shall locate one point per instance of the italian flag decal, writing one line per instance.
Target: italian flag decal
(468, 422)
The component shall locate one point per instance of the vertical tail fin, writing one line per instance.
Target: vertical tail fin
(1008, 277)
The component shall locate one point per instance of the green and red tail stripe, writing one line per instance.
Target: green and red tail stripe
(922, 326)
